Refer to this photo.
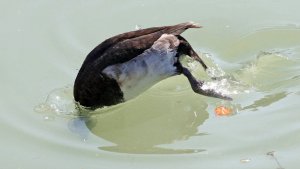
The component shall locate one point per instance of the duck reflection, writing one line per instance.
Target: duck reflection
(145, 124)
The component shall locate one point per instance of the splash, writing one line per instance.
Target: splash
(252, 75)
(269, 70)
(60, 102)
(218, 80)
(224, 83)
(226, 86)
(215, 72)
(138, 27)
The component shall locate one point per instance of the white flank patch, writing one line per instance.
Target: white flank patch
(143, 71)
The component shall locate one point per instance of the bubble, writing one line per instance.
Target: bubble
(60, 101)
(246, 160)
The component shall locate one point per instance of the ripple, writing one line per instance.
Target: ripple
(275, 63)
(59, 101)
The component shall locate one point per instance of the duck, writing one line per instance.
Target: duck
(124, 66)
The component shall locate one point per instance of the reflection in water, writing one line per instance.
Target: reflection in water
(266, 100)
(135, 129)
(78, 126)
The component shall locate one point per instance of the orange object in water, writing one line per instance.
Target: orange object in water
(223, 111)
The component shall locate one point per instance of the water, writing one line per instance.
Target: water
(252, 48)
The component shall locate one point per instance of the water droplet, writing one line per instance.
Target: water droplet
(197, 151)
(195, 113)
(48, 118)
(138, 27)
(245, 160)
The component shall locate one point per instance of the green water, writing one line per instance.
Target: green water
(254, 45)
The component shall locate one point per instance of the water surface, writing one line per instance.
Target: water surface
(252, 46)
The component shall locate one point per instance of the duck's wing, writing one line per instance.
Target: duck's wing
(124, 47)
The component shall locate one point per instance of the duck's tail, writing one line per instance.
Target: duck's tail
(179, 28)
(190, 24)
